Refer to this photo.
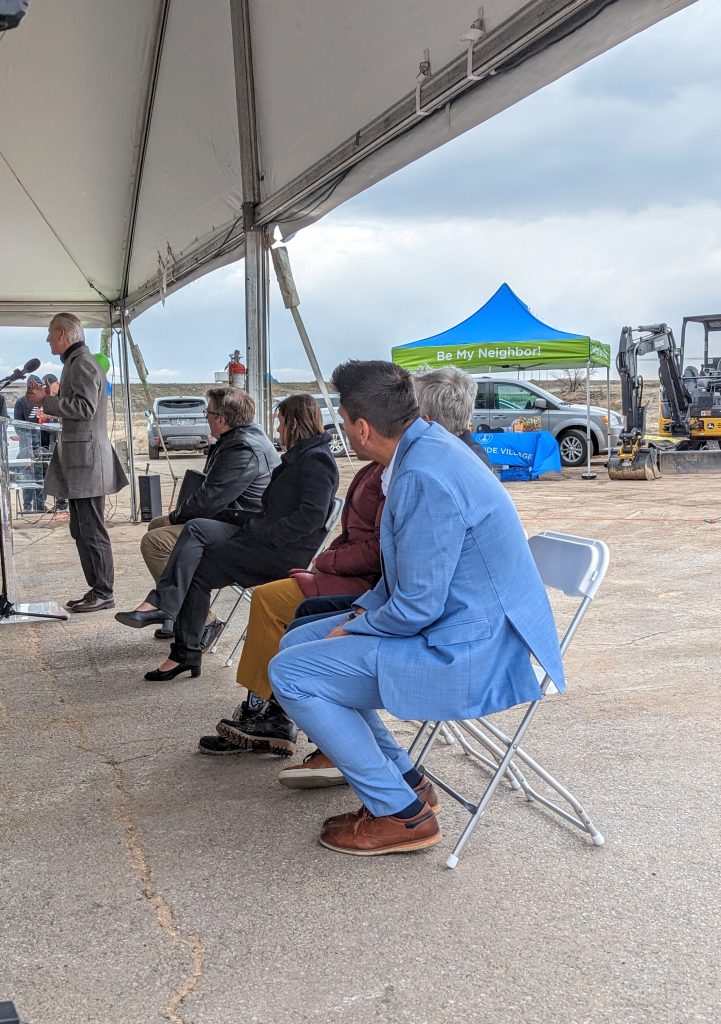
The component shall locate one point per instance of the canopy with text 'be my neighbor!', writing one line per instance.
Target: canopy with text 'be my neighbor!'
(503, 335)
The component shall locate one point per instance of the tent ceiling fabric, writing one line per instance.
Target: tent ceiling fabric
(335, 95)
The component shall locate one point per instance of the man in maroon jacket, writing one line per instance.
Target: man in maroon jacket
(349, 566)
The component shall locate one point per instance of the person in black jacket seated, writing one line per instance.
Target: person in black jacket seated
(245, 547)
(237, 472)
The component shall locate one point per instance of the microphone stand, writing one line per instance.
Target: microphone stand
(7, 608)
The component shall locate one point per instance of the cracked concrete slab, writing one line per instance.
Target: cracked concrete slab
(141, 881)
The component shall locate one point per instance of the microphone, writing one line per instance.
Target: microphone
(30, 367)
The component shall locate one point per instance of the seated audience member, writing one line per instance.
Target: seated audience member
(446, 633)
(447, 396)
(237, 472)
(348, 567)
(244, 547)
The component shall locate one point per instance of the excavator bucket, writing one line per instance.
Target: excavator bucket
(685, 461)
(643, 465)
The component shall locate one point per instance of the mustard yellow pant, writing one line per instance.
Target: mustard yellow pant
(271, 609)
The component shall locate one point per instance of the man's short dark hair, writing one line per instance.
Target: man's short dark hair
(379, 392)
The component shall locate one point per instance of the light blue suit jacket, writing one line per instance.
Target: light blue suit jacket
(460, 605)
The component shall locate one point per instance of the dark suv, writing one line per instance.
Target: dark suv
(182, 422)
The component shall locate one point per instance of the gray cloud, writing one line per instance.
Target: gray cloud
(635, 127)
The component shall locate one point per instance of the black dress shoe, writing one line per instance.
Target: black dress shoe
(158, 676)
(166, 631)
(91, 603)
(137, 620)
(78, 600)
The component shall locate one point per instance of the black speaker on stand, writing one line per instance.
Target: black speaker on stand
(151, 504)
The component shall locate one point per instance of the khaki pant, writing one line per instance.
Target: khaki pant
(272, 608)
(157, 545)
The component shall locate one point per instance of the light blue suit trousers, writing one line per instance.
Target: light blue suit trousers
(330, 689)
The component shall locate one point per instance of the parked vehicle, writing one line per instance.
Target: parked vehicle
(336, 439)
(181, 420)
(500, 400)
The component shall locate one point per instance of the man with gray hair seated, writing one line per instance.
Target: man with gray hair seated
(237, 472)
(447, 396)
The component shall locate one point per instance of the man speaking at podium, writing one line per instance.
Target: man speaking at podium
(84, 467)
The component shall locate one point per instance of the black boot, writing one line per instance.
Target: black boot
(271, 730)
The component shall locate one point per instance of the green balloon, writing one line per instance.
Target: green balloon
(103, 360)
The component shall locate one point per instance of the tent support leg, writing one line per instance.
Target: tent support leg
(589, 474)
(128, 413)
(291, 301)
(608, 410)
(256, 250)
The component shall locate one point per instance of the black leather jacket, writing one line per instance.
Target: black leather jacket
(238, 470)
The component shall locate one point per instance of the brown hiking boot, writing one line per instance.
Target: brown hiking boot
(367, 836)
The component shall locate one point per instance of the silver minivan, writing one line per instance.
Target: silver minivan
(501, 400)
(336, 439)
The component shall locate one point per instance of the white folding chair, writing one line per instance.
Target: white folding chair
(576, 566)
(246, 593)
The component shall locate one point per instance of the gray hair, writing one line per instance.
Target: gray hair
(235, 405)
(69, 323)
(446, 396)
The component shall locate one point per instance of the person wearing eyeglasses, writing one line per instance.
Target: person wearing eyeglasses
(237, 472)
(247, 548)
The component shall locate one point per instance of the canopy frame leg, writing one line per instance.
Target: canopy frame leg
(256, 247)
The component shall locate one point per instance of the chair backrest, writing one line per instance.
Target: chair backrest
(574, 565)
(330, 525)
(334, 515)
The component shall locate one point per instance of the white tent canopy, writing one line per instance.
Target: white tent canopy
(120, 154)
(144, 143)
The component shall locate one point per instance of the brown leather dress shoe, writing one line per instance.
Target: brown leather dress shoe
(370, 837)
(424, 792)
(91, 603)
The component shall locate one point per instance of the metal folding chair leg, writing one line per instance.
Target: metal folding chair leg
(580, 818)
(232, 612)
(515, 778)
(239, 643)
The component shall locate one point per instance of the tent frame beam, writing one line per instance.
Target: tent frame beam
(149, 93)
(534, 28)
(256, 249)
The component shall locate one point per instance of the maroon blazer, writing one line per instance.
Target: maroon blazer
(352, 563)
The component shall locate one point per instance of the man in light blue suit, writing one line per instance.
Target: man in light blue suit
(447, 633)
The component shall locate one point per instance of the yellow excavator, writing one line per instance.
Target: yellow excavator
(690, 405)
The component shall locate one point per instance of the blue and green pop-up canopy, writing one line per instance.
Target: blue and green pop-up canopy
(503, 335)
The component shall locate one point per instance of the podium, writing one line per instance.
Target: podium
(23, 457)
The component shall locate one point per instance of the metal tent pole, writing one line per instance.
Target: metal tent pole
(608, 410)
(124, 364)
(588, 475)
(291, 301)
(256, 249)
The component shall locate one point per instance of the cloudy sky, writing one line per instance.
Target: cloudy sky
(597, 199)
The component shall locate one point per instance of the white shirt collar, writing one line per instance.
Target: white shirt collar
(388, 473)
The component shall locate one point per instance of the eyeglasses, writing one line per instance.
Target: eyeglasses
(209, 412)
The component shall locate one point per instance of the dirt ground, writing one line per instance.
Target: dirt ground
(141, 881)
